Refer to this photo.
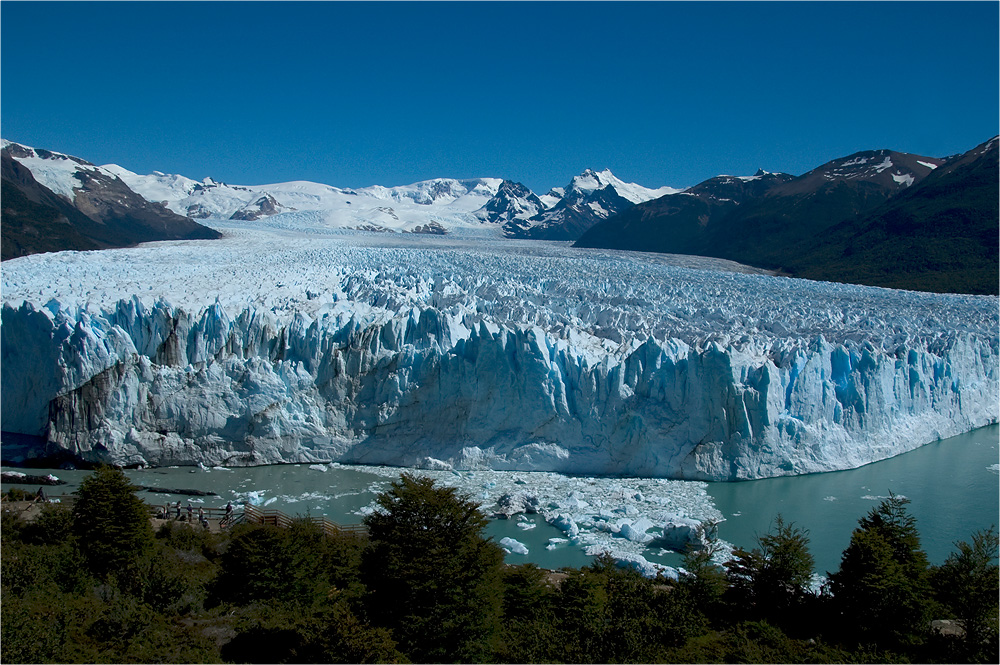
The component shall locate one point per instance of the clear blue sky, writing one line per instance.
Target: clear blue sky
(392, 93)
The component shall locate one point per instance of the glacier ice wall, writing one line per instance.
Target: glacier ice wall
(260, 349)
(162, 385)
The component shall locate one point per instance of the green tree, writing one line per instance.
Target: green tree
(581, 611)
(432, 577)
(967, 583)
(704, 583)
(528, 616)
(609, 614)
(287, 632)
(112, 525)
(881, 590)
(772, 580)
(257, 565)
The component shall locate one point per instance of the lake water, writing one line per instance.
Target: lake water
(953, 485)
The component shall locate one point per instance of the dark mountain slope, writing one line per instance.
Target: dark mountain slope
(104, 212)
(680, 223)
(881, 218)
(761, 230)
(33, 219)
(755, 219)
(939, 235)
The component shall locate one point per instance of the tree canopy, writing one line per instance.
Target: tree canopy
(112, 524)
(432, 577)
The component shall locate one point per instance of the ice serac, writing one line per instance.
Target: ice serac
(367, 379)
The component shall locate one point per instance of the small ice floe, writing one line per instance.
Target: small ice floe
(829, 498)
(516, 503)
(254, 498)
(318, 467)
(203, 467)
(995, 468)
(220, 468)
(555, 542)
(270, 501)
(526, 525)
(513, 546)
(879, 497)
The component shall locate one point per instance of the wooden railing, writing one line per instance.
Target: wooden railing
(254, 515)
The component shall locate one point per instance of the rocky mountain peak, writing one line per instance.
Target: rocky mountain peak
(263, 206)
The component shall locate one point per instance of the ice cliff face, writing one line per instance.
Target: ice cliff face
(590, 363)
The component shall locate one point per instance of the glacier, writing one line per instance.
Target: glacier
(288, 342)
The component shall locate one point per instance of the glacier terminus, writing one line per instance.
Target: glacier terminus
(289, 341)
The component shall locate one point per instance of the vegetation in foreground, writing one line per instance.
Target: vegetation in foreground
(96, 584)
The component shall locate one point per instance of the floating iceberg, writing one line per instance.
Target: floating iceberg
(681, 533)
(513, 546)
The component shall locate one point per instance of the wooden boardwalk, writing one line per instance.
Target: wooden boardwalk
(255, 515)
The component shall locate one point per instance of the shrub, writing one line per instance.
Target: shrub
(54, 524)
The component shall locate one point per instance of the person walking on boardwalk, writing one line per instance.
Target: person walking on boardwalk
(190, 512)
(177, 508)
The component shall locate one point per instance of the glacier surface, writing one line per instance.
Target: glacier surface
(288, 342)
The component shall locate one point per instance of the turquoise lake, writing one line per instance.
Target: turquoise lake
(953, 486)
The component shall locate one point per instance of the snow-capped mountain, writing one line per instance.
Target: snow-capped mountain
(513, 201)
(54, 201)
(441, 203)
(589, 182)
(589, 198)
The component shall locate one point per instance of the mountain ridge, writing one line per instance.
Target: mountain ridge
(811, 225)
